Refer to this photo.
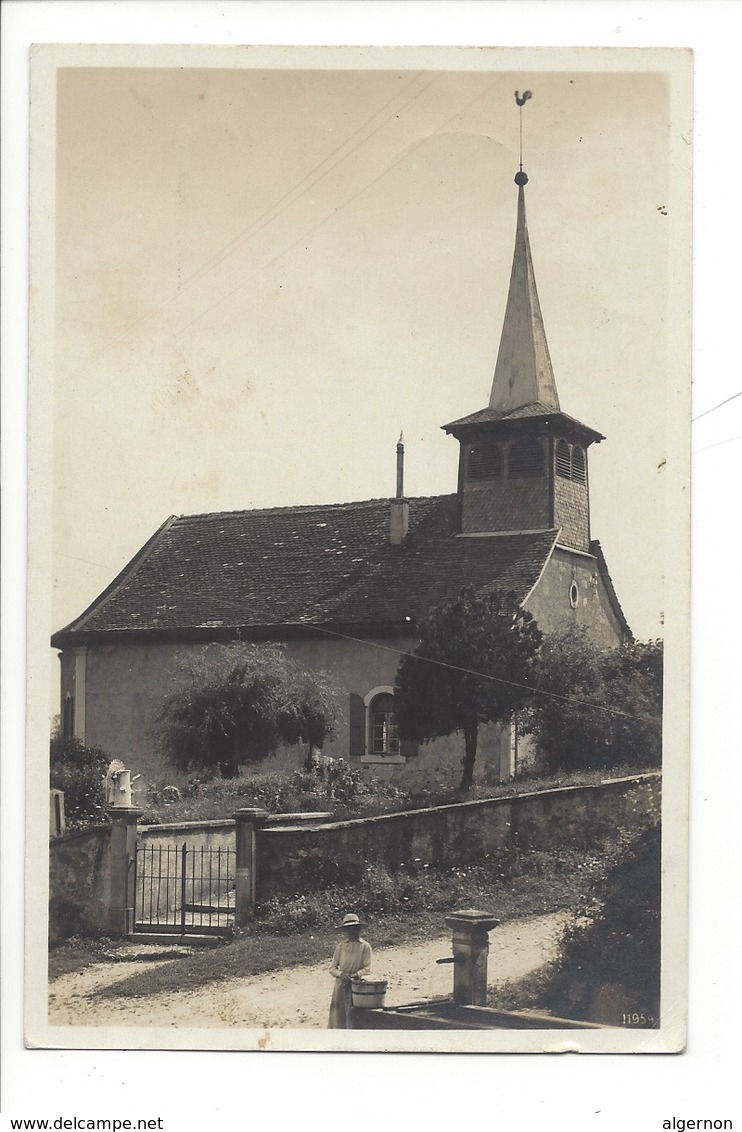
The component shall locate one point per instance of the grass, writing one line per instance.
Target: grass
(350, 795)
(405, 907)
(79, 952)
(399, 909)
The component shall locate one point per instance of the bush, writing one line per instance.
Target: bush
(609, 959)
(79, 771)
(610, 965)
(337, 788)
(342, 790)
(533, 884)
(599, 707)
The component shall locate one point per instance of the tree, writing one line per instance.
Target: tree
(599, 707)
(472, 666)
(237, 703)
(309, 711)
(79, 771)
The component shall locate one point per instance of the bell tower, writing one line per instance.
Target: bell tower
(523, 463)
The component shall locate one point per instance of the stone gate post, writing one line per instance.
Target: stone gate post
(122, 855)
(246, 863)
(470, 937)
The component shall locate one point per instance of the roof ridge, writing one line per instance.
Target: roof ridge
(307, 507)
(508, 534)
(178, 582)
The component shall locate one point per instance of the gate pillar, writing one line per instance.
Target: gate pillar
(470, 937)
(246, 863)
(122, 879)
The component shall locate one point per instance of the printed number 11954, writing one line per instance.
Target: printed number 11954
(637, 1020)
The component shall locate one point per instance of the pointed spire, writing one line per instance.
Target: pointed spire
(523, 374)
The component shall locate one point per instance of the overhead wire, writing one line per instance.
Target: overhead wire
(266, 218)
(288, 198)
(315, 627)
(242, 238)
(488, 676)
(305, 235)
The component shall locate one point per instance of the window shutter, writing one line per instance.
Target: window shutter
(409, 748)
(357, 725)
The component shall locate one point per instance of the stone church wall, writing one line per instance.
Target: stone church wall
(551, 606)
(126, 685)
(119, 688)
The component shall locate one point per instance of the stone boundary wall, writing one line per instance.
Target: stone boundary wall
(215, 834)
(293, 859)
(303, 852)
(198, 834)
(79, 882)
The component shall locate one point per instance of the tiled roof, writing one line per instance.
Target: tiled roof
(533, 409)
(597, 550)
(305, 565)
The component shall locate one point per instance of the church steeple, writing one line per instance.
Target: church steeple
(522, 461)
(523, 373)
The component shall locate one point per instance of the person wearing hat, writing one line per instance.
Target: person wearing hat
(351, 959)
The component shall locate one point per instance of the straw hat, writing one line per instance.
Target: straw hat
(351, 921)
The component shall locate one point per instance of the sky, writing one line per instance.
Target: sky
(263, 276)
(108, 537)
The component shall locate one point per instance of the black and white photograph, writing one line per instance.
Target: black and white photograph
(359, 551)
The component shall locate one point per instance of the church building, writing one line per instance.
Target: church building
(343, 586)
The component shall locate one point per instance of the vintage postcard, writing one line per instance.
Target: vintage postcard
(359, 548)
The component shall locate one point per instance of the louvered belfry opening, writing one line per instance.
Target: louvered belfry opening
(485, 461)
(522, 464)
(578, 464)
(563, 460)
(526, 458)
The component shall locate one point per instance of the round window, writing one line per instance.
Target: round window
(574, 593)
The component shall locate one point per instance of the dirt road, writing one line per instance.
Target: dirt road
(295, 996)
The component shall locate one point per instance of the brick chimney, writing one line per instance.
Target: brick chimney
(399, 517)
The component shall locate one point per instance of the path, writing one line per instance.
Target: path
(296, 997)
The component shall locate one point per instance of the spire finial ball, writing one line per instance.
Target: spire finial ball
(521, 178)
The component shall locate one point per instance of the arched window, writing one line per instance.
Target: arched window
(383, 736)
(373, 730)
(578, 464)
(68, 719)
(526, 459)
(563, 461)
(485, 462)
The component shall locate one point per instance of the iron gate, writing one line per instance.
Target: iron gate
(184, 889)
